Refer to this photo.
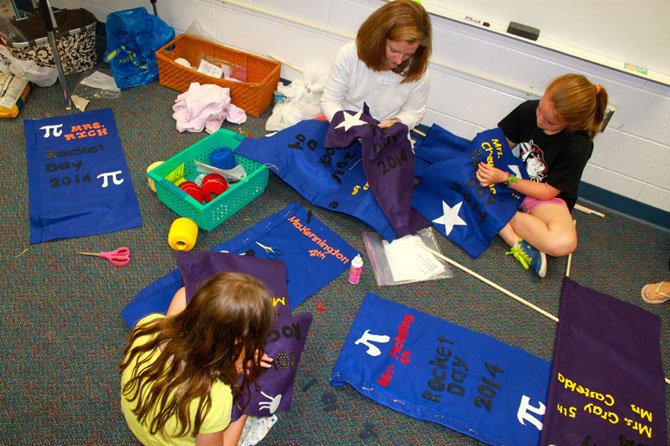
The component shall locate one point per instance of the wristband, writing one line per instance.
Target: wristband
(511, 179)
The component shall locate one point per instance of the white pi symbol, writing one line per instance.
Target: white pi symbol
(373, 350)
(56, 129)
(106, 175)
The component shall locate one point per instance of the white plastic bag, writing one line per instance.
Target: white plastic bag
(27, 69)
(301, 101)
(100, 84)
(404, 260)
(197, 30)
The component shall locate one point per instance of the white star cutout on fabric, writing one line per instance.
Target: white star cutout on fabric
(515, 170)
(350, 121)
(450, 217)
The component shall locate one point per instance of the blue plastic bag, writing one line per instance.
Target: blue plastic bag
(133, 36)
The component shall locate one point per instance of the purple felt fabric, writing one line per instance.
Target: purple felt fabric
(606, 382)
(287, 338)
(197, 267)
(388, 162)
(275, 386)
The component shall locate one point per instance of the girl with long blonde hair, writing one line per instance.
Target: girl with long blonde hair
(182, 373)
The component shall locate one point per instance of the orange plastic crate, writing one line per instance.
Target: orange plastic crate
(254, 95)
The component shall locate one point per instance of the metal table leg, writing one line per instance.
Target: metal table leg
(51, 25)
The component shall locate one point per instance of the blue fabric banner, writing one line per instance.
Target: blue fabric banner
(437, 371)
(79, 182)
(312, 253)
(331, 178)
(442, 145)
(606, 382)
(154, 298)
(450, 196)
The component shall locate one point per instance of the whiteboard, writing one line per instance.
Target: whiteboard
(628, 35)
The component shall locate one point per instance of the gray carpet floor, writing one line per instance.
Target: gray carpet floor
(61, 335)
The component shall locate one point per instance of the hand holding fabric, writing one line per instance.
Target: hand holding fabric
(388, 123)
(487, 175)
(266, 363)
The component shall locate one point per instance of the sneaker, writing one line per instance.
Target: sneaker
(529, 257)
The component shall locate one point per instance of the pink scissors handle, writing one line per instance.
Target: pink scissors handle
(118, 257)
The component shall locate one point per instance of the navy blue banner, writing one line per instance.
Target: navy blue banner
(78, 179)
(312, 253)
(331, 178)
(437, 371)
(450, 196)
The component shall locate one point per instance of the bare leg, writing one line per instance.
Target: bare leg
(508, 234)
(548, 228)
(529, 255)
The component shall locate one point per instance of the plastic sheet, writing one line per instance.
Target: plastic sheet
(99, 84)
(404, 260)
(27, 69)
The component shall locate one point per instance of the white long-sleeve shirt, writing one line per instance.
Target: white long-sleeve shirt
(351, 83)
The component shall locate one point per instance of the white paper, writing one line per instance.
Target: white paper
(100, 81)
(210, 69)
(408, 261)
(237, 173)
(79, 102)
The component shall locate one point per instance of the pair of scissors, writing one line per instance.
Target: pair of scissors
(118, 257)
(270, 252)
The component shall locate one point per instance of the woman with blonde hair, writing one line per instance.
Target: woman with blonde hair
(385, 67)
(554, 136)
(182, 373)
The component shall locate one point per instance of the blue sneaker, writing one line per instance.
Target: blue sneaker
(529, 257)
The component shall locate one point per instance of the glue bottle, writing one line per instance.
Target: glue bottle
(355, 269)
(277, 95)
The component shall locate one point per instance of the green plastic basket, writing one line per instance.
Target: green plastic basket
(209, 215)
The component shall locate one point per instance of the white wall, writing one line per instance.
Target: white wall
(592, 34)
(477, 76)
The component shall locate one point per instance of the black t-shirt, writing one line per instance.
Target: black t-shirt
(557, 160)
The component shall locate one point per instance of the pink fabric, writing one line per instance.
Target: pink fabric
(204, 107)
(529, 204)
(236, 115)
